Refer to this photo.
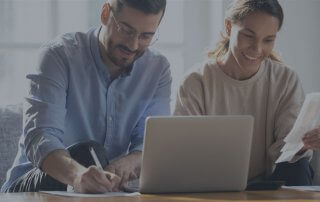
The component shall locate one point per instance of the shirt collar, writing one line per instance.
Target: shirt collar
(96, 53)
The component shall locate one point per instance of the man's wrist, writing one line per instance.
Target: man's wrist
(137, 161)
(62, 167)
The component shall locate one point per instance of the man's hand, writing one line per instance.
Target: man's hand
(95, 180)
(311, 139)
(127, 168)
(63, 168)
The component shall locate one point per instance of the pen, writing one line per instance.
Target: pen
(95, 158)
(110, 176)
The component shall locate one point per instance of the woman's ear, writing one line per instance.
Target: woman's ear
(227, 25)
(105, 13)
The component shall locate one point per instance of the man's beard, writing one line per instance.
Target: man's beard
(123, 63)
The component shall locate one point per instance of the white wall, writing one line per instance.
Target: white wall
(299, 40)
(187, 31)
(193, 27)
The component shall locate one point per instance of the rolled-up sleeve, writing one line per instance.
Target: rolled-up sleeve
(45, 107)
(158, 106)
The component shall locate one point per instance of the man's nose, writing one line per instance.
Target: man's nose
(133, 43)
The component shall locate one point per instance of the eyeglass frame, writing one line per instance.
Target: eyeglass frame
(133, 33)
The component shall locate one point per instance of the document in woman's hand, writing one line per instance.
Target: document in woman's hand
(309, 117)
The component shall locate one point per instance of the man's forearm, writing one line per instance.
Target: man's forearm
(59, 165)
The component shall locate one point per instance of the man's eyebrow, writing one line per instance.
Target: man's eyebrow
(130, 27)
(127, 25)
(249, 30)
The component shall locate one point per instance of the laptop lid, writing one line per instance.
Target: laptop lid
(196, 154)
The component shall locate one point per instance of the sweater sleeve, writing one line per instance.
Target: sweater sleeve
(189, 100)
(286, 113)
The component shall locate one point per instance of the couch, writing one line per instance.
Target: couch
(10, 132)
(11, 129)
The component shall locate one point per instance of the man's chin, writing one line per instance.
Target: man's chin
(124, 63)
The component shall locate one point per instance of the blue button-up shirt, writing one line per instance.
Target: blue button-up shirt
(73, 99)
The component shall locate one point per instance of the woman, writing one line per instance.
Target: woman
(244, 76)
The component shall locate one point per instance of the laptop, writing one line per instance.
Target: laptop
(196, 154)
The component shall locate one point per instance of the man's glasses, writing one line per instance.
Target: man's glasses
(145, 39)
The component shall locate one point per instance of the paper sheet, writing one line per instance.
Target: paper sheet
(303, 188)
(292, 146)
(288, 155)
(74, 194)
(309, 118)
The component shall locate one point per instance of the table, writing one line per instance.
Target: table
(272, 196)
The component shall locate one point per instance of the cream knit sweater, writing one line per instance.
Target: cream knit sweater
(273, 96)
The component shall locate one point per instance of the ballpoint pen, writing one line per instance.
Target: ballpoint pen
(95, 158)
(110, 176)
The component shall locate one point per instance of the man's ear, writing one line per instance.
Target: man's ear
(228, 25)
(105, 13)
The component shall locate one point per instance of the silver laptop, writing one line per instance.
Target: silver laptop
(196, 154)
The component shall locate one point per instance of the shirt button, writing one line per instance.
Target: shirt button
(110, 118)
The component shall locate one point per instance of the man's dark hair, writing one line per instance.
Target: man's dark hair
(146, 6)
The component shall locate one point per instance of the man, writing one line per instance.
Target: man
(100, 86)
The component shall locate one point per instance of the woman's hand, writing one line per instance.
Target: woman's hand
(311, 139)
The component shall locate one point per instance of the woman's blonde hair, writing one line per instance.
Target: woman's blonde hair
(238, 10)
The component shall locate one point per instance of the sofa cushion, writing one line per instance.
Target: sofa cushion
(10, 132)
